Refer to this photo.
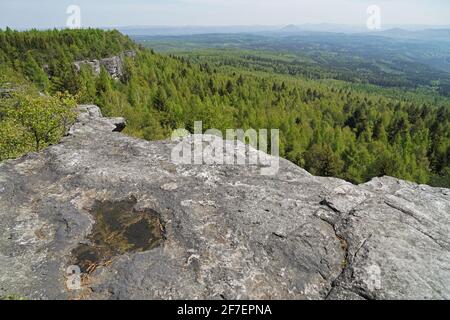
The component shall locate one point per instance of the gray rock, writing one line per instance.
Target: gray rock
(113, 65)
(6, 93)
(141, 227)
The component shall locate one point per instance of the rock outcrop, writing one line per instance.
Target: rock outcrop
(113, 65)
(141, 227)
(6, 93)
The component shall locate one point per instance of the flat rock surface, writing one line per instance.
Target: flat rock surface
(141, 227)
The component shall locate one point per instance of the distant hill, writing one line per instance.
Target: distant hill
(192, 30)
(290, 28)
(358, 57)
(323, 27)
(424, 35)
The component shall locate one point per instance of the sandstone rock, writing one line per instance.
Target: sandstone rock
(113, 65)
(6, 93)
(140, 226)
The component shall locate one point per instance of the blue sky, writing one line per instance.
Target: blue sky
(95, 13)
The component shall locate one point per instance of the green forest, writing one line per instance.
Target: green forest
(329, 127)
(356, 58)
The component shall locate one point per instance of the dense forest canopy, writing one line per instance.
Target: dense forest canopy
(360, 58)
(331, 128)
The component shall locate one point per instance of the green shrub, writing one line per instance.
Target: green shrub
(30, 122)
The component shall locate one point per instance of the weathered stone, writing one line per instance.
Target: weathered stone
(146, 228)
(113, 65)
(6, 93)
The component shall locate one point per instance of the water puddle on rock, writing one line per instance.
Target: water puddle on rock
(118, 229)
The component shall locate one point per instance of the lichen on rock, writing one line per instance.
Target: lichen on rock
(142, 227)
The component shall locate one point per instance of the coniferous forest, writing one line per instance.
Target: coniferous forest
(329, 127)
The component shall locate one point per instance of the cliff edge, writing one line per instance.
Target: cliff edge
(105, 216)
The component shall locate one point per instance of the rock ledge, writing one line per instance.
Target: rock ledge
(207, 231)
